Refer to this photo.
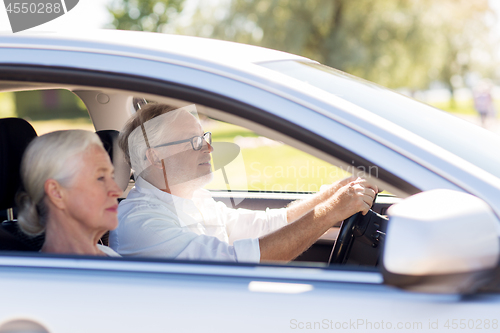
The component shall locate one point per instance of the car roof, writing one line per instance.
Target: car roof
(147, 44)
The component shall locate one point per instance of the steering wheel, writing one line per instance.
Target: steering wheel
(361, 234)
(344, 239)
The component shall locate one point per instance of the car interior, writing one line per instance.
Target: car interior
(356, 241)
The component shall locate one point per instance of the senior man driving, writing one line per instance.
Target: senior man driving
(168, 214)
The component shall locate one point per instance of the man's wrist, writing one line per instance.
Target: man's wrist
(325, 214)
(331, 191)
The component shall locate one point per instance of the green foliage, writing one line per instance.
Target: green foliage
(463, 107)
(144, 15)
(465, 39)
(459, 107)
(7, 105)
(396, 43)
(49, 104)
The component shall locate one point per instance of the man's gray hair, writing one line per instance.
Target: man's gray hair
(148, 128)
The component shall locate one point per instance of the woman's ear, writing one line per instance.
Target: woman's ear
(53, 191)
(153, 158)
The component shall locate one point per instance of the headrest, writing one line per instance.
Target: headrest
(109, 140)
(15, 135)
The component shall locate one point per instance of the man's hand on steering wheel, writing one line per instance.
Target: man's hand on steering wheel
(355, 196)
(314, 217)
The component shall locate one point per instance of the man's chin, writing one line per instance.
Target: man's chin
(206, 179)
(198, 182)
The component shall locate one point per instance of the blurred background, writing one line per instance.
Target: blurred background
(445, 53)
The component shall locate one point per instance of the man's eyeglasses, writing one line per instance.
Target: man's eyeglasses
(196, 141)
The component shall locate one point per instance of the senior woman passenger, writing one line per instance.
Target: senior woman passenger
(69, 192)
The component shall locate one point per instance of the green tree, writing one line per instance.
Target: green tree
(144, 15)
(465, 40)
(397, 43)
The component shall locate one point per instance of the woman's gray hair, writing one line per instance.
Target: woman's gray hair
(55, 155)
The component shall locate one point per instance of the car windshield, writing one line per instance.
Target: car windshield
(463, 139)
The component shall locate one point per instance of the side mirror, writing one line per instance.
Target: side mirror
(440, 241)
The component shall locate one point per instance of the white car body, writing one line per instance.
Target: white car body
(72, 294)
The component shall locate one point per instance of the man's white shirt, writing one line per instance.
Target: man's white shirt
(153, 223)
(108, 251)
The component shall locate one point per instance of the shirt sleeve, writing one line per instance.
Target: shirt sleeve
(244, 223)
(152, 234)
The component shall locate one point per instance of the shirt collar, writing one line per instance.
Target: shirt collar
(146, 187)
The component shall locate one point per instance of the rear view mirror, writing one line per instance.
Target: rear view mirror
(440, 241)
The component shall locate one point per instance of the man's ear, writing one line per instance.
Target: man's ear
(54, 192)
(153, 158)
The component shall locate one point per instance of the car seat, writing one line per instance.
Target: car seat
(15, 135)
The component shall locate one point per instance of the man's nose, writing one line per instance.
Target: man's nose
(209, 146)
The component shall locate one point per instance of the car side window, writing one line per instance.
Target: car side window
(266, 165)
(172, 154)
(46, 110)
